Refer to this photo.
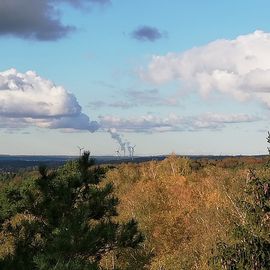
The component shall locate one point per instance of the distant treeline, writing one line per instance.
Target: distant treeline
(16, 163)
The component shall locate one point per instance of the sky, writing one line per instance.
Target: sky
(185, 77)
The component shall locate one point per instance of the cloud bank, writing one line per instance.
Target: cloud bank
(37, 19)
(136, 98)
(26, 99)
(239, 68)
(150, 123)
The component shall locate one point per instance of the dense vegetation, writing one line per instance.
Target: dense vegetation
(61, 220)
(171, 214)
(195, 214)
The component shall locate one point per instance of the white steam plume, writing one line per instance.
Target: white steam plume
(123, 145)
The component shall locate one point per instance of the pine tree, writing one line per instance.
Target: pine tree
(66, 222)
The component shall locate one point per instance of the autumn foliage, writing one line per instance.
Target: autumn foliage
(188, 213)
(183, 212)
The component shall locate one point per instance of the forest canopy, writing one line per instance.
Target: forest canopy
(172, 214)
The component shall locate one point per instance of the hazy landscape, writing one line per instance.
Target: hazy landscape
(19, 163)
(134, 135)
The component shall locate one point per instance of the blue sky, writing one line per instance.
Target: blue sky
(189, 77)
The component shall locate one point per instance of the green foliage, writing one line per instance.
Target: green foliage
(62, 220)
(14, 197)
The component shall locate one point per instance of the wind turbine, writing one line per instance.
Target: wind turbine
(80, 149)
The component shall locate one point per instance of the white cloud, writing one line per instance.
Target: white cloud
(239, 68)
(27, 99)
(173, 122)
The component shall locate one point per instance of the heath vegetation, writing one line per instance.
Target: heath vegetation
(172, 214)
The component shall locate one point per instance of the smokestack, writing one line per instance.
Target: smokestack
(117, 137)
(129, 148)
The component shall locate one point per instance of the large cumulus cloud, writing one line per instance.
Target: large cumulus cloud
(239, 68)
(37, 19)
(28, 99)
